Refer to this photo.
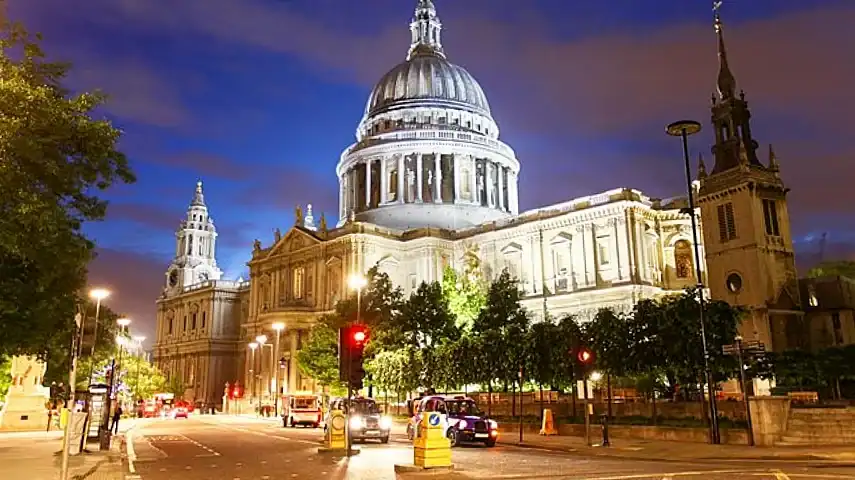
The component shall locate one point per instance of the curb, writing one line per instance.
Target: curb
(592, 452)
(417, 469)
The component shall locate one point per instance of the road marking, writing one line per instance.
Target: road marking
(277, 437)
(675, 474)
(129, 447)
(779, 475)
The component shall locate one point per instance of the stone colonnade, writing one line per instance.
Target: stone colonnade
(439, 177)
(266, 363)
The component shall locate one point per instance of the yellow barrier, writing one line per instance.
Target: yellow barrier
(63, 417)
(336, 431)
(548, 427)
(431, 448)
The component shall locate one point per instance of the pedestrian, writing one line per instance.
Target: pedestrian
(116, 415)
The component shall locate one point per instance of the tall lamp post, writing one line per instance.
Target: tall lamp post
(138, 341)
(683, 129)
(356, 282)
(252, 347)
(97, 294)
(105, 416)
(277, 327)
(262, 340)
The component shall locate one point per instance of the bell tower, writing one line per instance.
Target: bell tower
(743, 203)
(195, 246)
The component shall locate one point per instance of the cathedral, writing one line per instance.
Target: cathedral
(428, 181)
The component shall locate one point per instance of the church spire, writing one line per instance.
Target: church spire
(198, 197)
(726, 81)
(425, 29)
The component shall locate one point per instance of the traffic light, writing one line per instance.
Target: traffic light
(352, 340)
(585, 357)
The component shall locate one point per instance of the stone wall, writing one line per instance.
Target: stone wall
(562, 406)
(671, 434)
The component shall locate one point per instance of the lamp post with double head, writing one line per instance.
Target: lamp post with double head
(252, 347)
(683, 129)
(96, 294)
(277, 327)
(262, 340)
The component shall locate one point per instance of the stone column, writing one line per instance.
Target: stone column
(500, 201)
(399, 196)
(588, 257)
(473, 179)
(384, 181)
(368, 183)
(455, 165)
(342, 209)
(437, 178)
(512, 193)
(419, 168)
(292, 364)
(213, 246)
(623, 249)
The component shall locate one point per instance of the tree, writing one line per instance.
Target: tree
(844, 268)
(465, 292)
(427, 323)
(319, 356)
(499, 329)
(55, 158)
(139, 378)
(5, 375)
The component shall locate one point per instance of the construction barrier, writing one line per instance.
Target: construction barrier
(548, 427)
(431, 448)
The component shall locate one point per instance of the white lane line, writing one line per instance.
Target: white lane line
(674, 474)
(129, 447)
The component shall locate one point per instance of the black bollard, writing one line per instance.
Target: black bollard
(605, 421)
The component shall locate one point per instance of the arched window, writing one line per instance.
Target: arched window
(683, 259)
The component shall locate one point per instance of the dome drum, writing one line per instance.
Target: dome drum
(459, 188)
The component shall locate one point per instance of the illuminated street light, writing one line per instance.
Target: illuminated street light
(252, 346)
(357, 282)
(123, 322)
(99, 293)
(261, 339)
(277, 327)
(596, 376)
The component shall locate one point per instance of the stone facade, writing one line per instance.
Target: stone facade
(428, 182)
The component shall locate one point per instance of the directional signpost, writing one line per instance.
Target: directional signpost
(739, 350)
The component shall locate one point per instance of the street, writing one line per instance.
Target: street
(240, 448)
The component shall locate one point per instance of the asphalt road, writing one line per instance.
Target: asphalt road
(232, 448)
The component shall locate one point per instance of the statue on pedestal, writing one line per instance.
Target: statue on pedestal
(25, 406)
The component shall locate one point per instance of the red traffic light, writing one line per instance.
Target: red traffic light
(585, 356)
(359, 336)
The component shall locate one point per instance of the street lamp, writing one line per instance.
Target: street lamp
(277, 327)
(252, 347)
(97, 294)
(138, 340)
(683, 129)
(355, 282)
(123, 323)
(261, 339)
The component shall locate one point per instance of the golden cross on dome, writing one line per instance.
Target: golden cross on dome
(716, 6)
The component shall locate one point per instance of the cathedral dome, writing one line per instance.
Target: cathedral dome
(427, 79)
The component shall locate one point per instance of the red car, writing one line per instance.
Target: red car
(180, 412)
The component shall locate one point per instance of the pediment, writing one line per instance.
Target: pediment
(388, 261)
(787, 298)
(511, 248)
(296, 239)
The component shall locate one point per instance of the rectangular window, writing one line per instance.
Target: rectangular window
(170, 326)
(193, 321)
(185, 323)
(603, 244)
(203, 319)
(770, 214)
(299, 285)
(726, 222)
(838, 332)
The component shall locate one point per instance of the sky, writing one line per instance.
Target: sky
(258, 98)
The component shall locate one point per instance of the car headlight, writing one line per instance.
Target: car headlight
(493, 425)
(356, 422)
(462, 424)
(385, 423)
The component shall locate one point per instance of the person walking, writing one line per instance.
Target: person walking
(116, 416)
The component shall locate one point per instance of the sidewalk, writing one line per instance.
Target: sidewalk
(676, 451)
(36, 456)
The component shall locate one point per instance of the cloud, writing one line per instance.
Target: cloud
(145, 214)
(135, 282)
(205, 164)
